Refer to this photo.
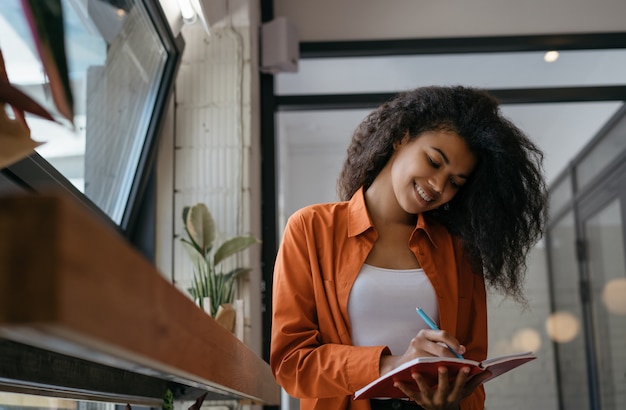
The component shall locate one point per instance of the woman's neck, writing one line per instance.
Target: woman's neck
(383, 205)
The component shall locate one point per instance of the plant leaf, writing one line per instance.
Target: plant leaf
(194, 252)
(198, 403)
(168, 400)
(45, 19)
(185, 213)
(232, 246)
(201, 227)
(190, 241)
(235, 273)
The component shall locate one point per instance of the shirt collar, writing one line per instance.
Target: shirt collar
(359, 219)
(423, 224)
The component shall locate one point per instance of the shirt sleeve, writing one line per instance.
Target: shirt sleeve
(305, 362)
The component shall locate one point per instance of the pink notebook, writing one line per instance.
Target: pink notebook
(427, 366)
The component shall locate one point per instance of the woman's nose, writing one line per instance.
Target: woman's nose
(437, 184)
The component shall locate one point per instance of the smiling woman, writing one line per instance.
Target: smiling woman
(121, 62)
(440, 195)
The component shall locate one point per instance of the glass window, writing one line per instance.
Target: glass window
(312, 143)
(488, 70)
(604, 234)
(561, 130)
(560, 195)
(604, 152)
(548, 124)
(566, 325)
(117, 63)
(19, 401)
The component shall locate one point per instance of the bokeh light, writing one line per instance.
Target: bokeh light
(526, 339)
(614, 296)
(562, 326)
(551, 56)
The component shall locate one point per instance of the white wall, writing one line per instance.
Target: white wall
(210, 149)
(325, 20)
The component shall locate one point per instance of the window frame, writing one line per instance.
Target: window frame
(35, 174)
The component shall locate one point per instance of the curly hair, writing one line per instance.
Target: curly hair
(500, 212)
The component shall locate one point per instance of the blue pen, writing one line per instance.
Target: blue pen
(433, 326)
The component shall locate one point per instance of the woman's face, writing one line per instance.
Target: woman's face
(429, 170)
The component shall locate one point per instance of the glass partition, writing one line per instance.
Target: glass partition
(560, 195)
(602, 153)
(566, 326)
(604, 236)
(16, 401)
(522, 70)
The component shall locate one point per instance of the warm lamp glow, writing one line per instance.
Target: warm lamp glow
(562, 327)
(614, 296)
(551, 56)
(526, 339)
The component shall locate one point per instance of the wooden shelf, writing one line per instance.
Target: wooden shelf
(72, 285)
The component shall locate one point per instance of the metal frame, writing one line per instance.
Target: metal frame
(505, 96)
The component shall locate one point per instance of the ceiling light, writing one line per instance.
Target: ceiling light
(187, 11)
(551, 56)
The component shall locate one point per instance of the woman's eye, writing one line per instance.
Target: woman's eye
(456, 184)
(433, 163)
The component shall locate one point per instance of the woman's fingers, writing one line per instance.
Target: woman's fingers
(446, 394)
(436, 343)
(477, 380)
(408, 390)
(443, 386)
(460, 386)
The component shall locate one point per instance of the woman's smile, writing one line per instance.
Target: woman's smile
(422, 194)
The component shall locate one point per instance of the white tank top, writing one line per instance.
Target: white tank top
(382, 306)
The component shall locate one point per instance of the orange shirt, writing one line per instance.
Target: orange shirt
(323, 248)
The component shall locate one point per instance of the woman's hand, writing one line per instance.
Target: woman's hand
(426, 343)
(449, 392)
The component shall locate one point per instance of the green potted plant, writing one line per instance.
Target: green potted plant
(211, 285)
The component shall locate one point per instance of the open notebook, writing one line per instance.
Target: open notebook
(427, 366)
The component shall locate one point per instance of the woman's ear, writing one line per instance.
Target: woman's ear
(398, 144)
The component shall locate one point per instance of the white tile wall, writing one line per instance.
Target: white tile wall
(209, 141)
(209, 152)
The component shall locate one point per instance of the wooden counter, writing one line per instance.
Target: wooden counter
(72, 285)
